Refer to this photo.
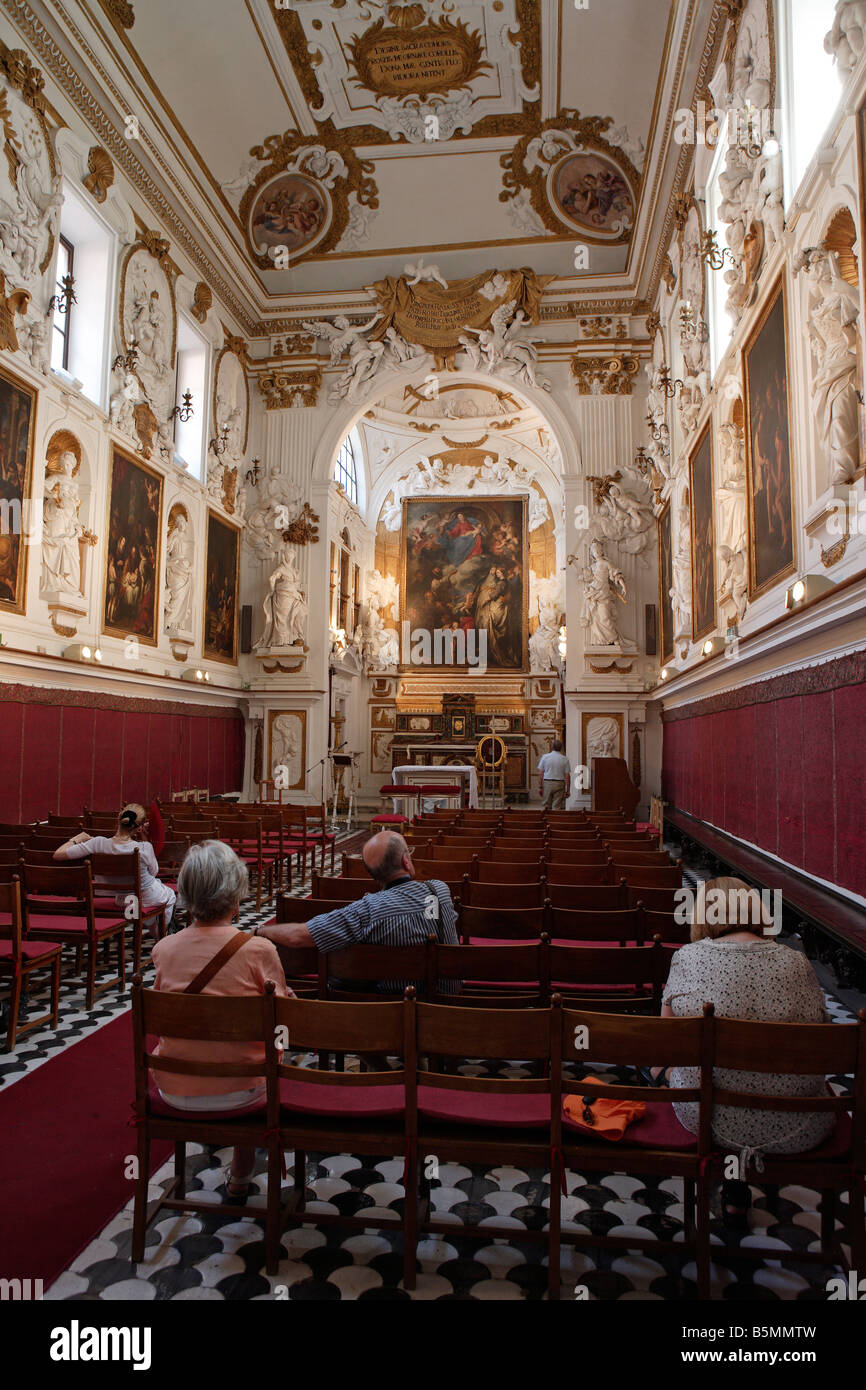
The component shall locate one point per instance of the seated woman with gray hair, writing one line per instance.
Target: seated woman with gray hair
(735, 963)
(212, 956)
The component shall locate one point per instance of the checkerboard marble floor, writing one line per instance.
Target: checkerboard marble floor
(221, 1256)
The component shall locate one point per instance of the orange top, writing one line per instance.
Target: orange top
(178, 959)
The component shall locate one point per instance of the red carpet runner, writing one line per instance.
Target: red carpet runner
(64, 1140)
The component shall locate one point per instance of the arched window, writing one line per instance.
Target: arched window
(346, 470)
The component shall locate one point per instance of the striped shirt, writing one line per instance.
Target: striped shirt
(404, 915)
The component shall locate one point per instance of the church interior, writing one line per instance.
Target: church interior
(437, 419)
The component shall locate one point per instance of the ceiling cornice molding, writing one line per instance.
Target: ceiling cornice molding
(682, 173)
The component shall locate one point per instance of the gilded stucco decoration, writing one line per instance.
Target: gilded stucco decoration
(30, 181)
(301, 198)
(577, 181)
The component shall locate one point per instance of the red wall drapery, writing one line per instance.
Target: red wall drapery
(781, 764)
(60, 751)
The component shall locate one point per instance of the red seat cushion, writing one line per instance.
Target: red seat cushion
(658, 1129)
(49, 926)
(389, 820)
(160, 1107)
(30, 950)
(352, 1102)
(520, 1111)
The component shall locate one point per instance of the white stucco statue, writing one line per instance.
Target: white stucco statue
(833, 336)
(546, 595)
(603, 585)
(178, 575)
(622, 517)
(285, 606)
(848, 35)
(681, 589)
(61, 529)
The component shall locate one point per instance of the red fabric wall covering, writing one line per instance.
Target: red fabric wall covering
(788, 775)
(59, 757)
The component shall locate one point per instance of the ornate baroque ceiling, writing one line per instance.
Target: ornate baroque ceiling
(312, 147)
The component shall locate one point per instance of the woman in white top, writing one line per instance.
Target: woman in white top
(128, 836)
(740, 968)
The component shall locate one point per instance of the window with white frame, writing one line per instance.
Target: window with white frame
(191, 376)
(63, 309)
(810, 85)
(85, 250)
(346, 469)
(721, 323)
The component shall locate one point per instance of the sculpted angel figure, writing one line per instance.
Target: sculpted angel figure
(365, 357)
(624, 518)
(833, 336)
(603, 584)
(424, 274)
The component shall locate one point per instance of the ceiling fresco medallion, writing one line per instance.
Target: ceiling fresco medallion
(300, 198)
(577, 181)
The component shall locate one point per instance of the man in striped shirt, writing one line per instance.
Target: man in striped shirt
(403, 913)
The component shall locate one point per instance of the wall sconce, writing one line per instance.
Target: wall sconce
(195, 674)
(63, 301)
(688, 327)
(712, 646)
(79, 651)
(219, 446)
(802, 591)
(183, 412)
(669, 387)
(127, 362)
(252, 473)
(656, 430)
(714, 255)
(667, 673)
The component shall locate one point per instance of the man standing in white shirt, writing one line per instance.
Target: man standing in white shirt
(554, 779)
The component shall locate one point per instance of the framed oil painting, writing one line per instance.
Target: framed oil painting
(591, 193)
(768, 449)
(220, 639)
(465, 581)
(17, 423)
(703, 537)
(132, 567)
(666, 582)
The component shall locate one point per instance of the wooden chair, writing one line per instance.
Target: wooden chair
(48, 837)
(101, 822)
(452, 873)
(642, 876)
(501, 855)
(500, 976)
(652, 859)
(652, 898)
(21, 959)
(171, 857)
(557, 854)
(215, 1020)
(363, 1112)
(490, 1121)
(500, 923)
(624, 980)
(575, 874)
(511, 895)
(296, 841)
(490, 872)
(20, 830)
(625, 924)
(656, 1146)
(583, 897)
(353, 866)
(73, 823)
(450, 843)
(58, 906)
(244, 836)
(836, 1166)
(115, 875)
(459, 850)
(315, 819)
(346, 890)
(665, 926)
(14, 842)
